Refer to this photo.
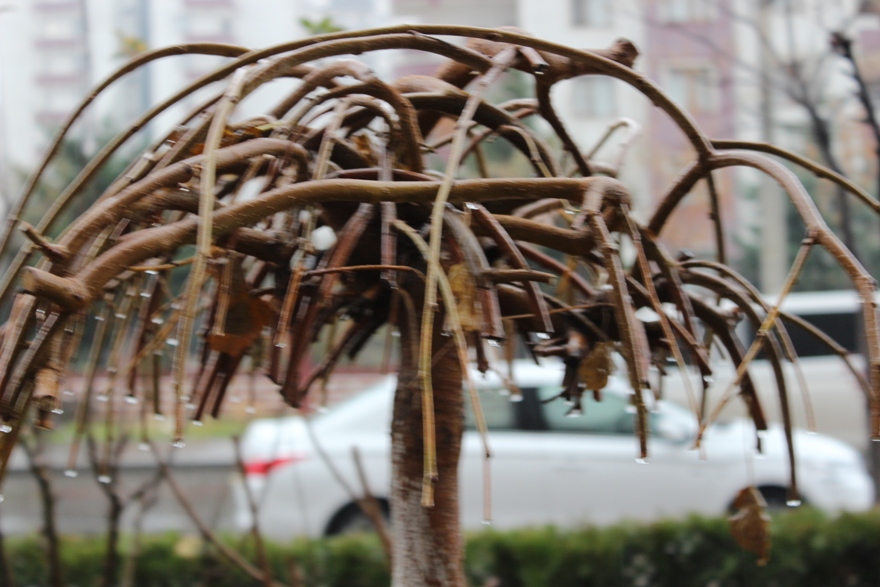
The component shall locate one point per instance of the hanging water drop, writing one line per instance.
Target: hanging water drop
(793, 503)
(542, 336)
(67, 392)
(642, 461)
(99, 318)
(71, 473)
(146, 294)
(472, 206)
(5, 428)
(57, 411)
(516, 397)
(130, 399)
(105, 479)
(494, 343)
(198, 423)
(120, 315)
(179, 443)
(486, 522)
(151, 272)
(157, 320)
(172, 342)
(102, 397)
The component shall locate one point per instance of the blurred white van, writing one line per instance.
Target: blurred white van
(837, 400)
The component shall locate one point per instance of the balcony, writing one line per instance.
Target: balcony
(55, 5)
(208, 3)
(59, 79)
(50, 118)
(58, 42)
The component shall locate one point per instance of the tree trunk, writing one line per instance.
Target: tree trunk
(36, 454)
(822, 136)
(111, 553)
(427, 541)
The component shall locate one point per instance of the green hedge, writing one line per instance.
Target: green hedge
(808, 550)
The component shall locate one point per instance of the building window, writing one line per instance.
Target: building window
(694, 88)
(681, 11)
(593, 97)
(591, 13)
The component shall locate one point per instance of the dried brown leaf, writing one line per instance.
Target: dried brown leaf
(465, 291)
(597, 366)
(750, 525)
(364, 147)
(244, 321)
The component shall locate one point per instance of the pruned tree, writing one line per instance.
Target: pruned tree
(451, 263)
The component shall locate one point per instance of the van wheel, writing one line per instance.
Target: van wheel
(777, 499)
(351, 519)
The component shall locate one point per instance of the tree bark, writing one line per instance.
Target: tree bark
(428, 547)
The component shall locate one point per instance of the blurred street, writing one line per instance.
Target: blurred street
(202, 470)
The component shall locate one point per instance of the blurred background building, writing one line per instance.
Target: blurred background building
(748, 69)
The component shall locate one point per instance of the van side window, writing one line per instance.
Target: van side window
(608, 416)
(844, 328)
(499, 411)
